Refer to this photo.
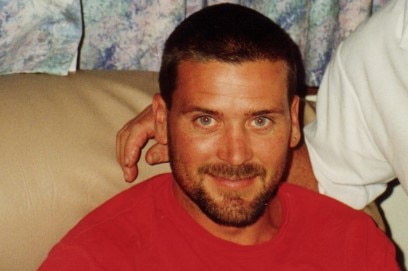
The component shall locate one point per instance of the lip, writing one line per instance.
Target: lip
(233, 183)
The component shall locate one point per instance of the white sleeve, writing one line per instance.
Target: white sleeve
(359, 140)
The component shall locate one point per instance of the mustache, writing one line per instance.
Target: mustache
(248, 170)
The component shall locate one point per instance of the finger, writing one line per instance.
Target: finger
(135, 133)
(130, 173)
(131, 139)
(121, 138)
(157, 154)
(130, 148)
(140, 129)
(135, 142)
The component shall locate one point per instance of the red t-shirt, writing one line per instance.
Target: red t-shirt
(145, 228)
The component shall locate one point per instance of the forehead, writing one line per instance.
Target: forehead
(263, 82)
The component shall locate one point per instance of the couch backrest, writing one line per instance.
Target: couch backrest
(58, 154)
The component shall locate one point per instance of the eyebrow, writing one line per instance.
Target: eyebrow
(265, 112)
(200, 109)
(217, 113)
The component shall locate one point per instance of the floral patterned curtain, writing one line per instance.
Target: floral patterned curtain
(47, 36)
(133, 37)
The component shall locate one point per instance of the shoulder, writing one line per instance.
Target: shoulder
(308, 203)
(324, 223)
(138, 201)
(111, 234)
(329, 219)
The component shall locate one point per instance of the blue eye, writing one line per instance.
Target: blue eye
(261, 121)
(205, 120)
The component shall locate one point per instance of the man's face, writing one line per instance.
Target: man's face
(229, 132)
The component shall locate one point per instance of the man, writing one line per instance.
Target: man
(228, 112)
(358, 142)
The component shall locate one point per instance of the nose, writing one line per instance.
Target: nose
(235, 146)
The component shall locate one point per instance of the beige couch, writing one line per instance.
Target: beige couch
(58, 153)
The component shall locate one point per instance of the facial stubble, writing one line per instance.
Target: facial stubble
(232, 210)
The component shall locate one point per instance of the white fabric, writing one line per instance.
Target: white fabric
(359, 140)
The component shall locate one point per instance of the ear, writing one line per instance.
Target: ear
(160, 119)
(295, 131)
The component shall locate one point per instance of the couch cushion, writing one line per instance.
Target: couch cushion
(58, 153)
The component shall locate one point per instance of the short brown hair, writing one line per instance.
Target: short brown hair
(228, 33)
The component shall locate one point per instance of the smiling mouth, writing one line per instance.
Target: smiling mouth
(233, 177)
(233, 182)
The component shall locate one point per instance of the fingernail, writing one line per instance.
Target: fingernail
(126, 161)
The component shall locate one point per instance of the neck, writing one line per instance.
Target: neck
(263, 230)
(300, 170)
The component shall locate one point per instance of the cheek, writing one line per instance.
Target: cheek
(191, 149)
(271, 150)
